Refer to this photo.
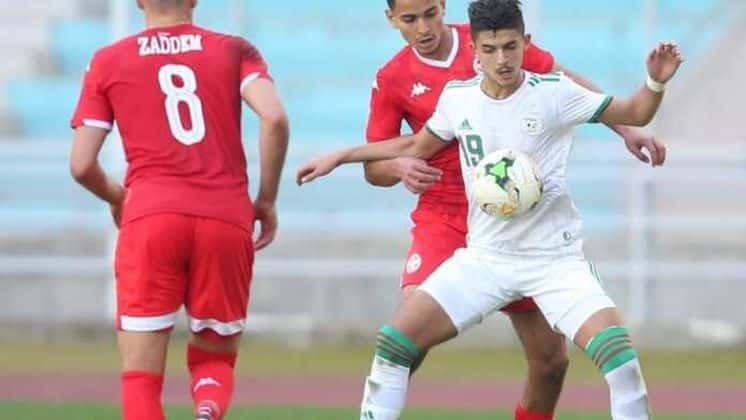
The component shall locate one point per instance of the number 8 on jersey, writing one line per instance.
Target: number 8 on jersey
(186, 93)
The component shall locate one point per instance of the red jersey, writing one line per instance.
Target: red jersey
(407, 88)
(175, 95)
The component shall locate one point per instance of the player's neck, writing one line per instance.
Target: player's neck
(161, 21)
(444, 48)
(500, 92)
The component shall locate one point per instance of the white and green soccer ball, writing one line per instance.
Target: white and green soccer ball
(507, 184)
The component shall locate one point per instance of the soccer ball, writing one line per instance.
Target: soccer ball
(507, 184)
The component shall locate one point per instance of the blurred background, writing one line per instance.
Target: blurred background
(670, 243)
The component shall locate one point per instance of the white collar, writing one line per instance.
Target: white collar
(448, 61)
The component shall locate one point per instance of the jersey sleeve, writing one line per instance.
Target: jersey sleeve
(537, 60)
(439, 124)
(253, 65)
(385, 115)
(578, 105)
(94, 108)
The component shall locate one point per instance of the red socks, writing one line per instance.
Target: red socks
(141, 396)
(212, 381)
(523, 414)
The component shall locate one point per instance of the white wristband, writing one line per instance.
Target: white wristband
(656, 87)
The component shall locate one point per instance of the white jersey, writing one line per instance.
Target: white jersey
(538, 120)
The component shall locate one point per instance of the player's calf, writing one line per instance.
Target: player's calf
(143, 356)
(211, 360)
(386, 387)
(141, 395)
(612, 352)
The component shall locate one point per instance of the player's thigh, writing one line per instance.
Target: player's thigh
(151, 263)
(468, 288)
(433, 242)
(539, 340)
(220, 275)
(569, 292)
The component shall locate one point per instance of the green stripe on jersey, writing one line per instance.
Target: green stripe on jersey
(605, 104)
(463, 83)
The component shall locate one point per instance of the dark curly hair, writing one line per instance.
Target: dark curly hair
(495, 15)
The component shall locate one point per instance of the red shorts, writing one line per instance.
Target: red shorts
(436, 235)
(168, 259)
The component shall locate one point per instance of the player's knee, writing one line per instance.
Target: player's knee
(143, 351)
(550, 363)
(551, 366)
(209, 340)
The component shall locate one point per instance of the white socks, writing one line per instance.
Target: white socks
(385, 391)
(629, 396)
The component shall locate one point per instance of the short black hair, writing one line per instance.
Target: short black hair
(391, 3)
(495, 15)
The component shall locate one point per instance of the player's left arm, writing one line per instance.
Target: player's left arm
(259, 92)
(634, 138)
(639, 110)
(87, 171)
(264, 100)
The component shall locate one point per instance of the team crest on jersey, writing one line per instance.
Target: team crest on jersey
(477, 66)
(413, 263)
(419, 89)
(532, 125)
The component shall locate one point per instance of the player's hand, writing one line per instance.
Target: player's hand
(663, 61)
(265, 213)
(317, 168)
(416, 174)
(636, 140)
(116, 197)
(116, 214)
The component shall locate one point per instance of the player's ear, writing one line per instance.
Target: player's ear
(192, 3)
(140, 5)
(527, 39)
(390, 17)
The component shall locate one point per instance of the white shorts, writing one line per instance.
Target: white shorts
(471, 285)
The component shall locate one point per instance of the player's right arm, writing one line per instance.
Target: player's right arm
(433, 137)
(422, 145)
(384, 122)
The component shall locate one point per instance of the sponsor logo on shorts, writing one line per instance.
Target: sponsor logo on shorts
(414, 263)
(566, 235)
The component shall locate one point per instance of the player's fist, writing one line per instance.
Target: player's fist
(265, 214)
(116, 214)
(416, 174)
(317, 168)
(663, 61)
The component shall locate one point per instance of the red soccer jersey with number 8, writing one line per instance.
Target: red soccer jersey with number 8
(174, 94)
